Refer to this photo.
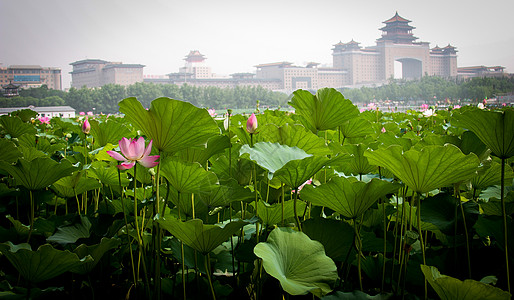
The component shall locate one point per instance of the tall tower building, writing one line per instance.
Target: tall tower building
(376, 64)
(195, 66)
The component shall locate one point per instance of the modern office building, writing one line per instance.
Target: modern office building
(93, 73)
(31, 76)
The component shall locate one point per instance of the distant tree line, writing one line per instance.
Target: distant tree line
(105, 99)
(429, 88)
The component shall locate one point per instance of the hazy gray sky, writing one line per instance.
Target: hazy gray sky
(236, 35)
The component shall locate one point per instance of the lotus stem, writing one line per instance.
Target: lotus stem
(283, 201)
(298, 224)
(32, 209)
(208, 270)
(127, 230)
(385, 244)
(504, 213)
(156, 235)
(358, 245)
(457, 194)
(418, 202)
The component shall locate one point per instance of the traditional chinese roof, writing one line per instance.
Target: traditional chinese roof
(89, 61)
(396, 18)
(194, 56)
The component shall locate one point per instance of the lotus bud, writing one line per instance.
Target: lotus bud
(251, 124)
(383, 130)
(86, 127)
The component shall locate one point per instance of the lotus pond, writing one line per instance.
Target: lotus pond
(327, 202)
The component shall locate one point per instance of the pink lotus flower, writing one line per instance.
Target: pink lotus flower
(383, 130)
(82, 113)
(424, 107)
(44, 120)
(134, 150)
(251, 124)
(456, 106)
(86, 127)
(212, 112)
(90, 113)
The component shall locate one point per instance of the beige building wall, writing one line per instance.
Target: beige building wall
(96, 73)
(28, 76)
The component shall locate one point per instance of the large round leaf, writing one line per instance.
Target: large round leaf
(347, 196)
(39, 172)
(356, 127)
(353, 161)
(325, 110)
(171, 124)
(299, 263)
(295, 136)
(272, 214)
(109, 131)
(203, 238)
(426, 169)
(76, 184)
(43, 264)
(187, 177)
(15, 127)
(95, 251)
(336, 236)
(296, 172)
(449, 288)
(10, 152)
(273, 156)
(494, 128)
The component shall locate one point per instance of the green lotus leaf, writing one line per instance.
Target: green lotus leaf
(449, 288)
(38, 173)
(325, 110)
(299, 263)
(42, 264)
(76, 184)
(349, 197)
(203, 238)
(69, 234)
(226, 193)
(108, 175)
(173, 125)
(356, 127)
(273, 156)
(15, 127)
(296, 172)
(356, 295)
(94, 251)
(469, 142)
(272, 214)
(109, 131)
(490, 175)
(25, 114)
(354, 162)
(188, 177)
(295, 136)
(494, 128)
(426, 169)
(29, 153)
(216, 144)
(324, 230)
(10, 152)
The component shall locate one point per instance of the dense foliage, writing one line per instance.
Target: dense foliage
(326, 202)
(105, 99)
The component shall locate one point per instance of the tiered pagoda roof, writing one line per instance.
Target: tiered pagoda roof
(194, 56)
(397, 30)
(351, 45)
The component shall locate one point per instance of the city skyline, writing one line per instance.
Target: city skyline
(236, 36)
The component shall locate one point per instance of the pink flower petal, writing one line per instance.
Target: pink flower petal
(124, 146)
(116, 155)
(149, 161)
(126, 165)
(148, 149)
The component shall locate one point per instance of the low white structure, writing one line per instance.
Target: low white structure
(44, 111)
